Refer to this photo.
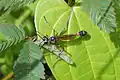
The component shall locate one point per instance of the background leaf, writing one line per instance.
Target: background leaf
(95, 58)
(28, 65)
(2, 37)
(13, 35)
(8, 5)
(117, 11)
(101, 13)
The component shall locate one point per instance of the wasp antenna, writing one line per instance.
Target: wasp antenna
(62, 31)
(50, 25)
(47, 21)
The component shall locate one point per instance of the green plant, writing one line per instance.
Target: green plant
(96, 57)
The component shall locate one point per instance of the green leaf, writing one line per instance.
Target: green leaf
(8, 5)
(117, 11)
(8, 56)
(2, 37)
(101, 13)
(13, 35)
(95, 58)
(28, 65)
(43, 8)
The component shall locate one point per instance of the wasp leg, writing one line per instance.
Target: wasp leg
(63, 31)
(67, 52)
(56, 62)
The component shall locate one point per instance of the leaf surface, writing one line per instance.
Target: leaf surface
(8, 5)
(12, 34)
(28, 65)
(95, 56)
(102, 13)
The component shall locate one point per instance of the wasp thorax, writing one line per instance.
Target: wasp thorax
(52, 39)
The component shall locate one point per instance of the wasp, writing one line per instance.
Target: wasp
(48, 42)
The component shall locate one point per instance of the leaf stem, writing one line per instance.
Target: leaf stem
(9, 76)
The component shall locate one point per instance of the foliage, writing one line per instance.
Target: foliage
(95, 56)
(9, 4)
(2, 37)
(28, 65)
(12, 35)
(101, 13)
(6, 6)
